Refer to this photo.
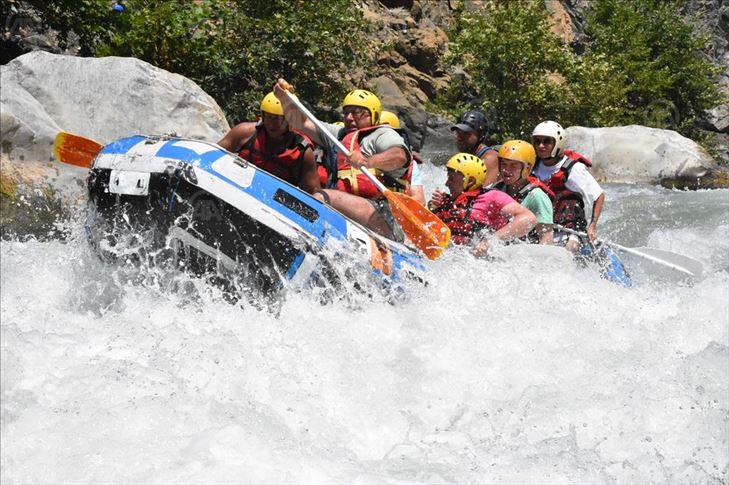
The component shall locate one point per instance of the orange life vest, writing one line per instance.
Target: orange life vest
(352, 180)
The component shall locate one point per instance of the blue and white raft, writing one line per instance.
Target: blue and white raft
(211, 212)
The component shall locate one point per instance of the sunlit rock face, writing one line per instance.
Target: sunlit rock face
(100, 98)
(638, 154)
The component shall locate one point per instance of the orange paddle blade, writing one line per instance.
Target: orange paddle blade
(422, 227)
(75, 150)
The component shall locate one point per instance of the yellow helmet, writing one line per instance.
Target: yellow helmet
(520, 151)
(470, 166)
(365, 99)
(271, 105)
(390, 118)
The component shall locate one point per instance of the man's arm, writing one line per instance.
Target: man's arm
(234, 139)
(491, 160)
(294, 117)
(309, 175)
(596, 211)
(389, 160)
(521, 221)
(546, 234)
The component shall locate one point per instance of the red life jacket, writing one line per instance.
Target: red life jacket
(352, 180)
(286, 164)
(456, 214)
(569, 208)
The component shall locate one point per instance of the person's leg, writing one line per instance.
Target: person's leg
(358, 209)
(568, 241)
(573, 244)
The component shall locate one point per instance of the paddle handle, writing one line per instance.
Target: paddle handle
(584, 234)
(334, 139)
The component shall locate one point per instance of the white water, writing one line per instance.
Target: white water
(497, 372)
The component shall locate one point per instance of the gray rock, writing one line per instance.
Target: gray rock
(100, 98)
(440, 142)
(638, 154)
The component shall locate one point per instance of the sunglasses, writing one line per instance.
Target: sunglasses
(538, 140)
(355, 111)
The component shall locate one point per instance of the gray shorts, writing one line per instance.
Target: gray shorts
(383, 207)
(561, 238)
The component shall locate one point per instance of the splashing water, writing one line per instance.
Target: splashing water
(517, 370)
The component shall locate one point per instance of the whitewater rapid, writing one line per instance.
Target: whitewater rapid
(508, 371)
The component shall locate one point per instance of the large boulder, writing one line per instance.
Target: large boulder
(100, 98)
(638, 154)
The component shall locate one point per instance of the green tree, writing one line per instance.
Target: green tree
(520, 72)
(235, 49)
(668, 77)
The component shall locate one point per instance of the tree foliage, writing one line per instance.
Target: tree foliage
(664, 62)
(642, 64)
(235, 49)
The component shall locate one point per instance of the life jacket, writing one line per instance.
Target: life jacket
(532, 183)
(352, 180)
(521, 194)
(286, 164)
(569, 208)
(456, 214)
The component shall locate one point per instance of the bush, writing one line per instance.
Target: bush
(234, 50)
(664, 62)
(642, 64)
(520, 72)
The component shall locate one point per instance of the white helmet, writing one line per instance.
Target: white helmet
(553, 130)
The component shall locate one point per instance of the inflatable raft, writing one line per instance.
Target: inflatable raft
(213, 213)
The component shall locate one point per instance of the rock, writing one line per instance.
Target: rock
(712, 18)
(440, 143)
(638, 154)
(719, 116)
(36, 198)
(100, 98)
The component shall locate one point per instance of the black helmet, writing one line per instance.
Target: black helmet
(472, 120)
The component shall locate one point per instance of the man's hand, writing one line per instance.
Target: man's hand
(481, 248)
(280, 88)
(356, 160)
(592, 232)
(437, 199)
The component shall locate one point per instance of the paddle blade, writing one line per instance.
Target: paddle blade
(427, 232)
(75, 150)
(668, 263)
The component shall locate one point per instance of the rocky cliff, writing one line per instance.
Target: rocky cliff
(409, 74)
(43, 94)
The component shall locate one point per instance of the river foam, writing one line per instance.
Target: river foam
(515, 370)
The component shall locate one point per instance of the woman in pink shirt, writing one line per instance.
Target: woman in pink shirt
(469, 209)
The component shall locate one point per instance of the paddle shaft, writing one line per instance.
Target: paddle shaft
(334, 139)
(632, 251)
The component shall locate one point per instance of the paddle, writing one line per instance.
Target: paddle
(75, 149)
(422, 227)
(677, 264)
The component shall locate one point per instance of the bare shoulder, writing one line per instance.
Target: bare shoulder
(233, 140)
(491, 157)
